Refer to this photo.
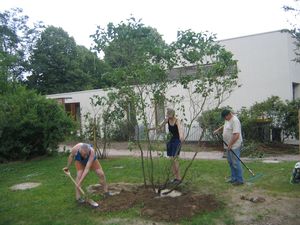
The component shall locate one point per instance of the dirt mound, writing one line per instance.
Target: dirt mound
(160, 209)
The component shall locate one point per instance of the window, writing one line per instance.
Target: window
(296, 91)
(73, 109)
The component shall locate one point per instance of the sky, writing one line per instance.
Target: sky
(225, 18)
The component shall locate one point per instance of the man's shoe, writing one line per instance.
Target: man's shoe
(237, 183)
(230, 181)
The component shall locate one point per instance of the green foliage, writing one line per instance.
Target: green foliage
(138, 58)
(120, 131)
(291, 122)
(140, 61)
(59, 65)
(208, 76)
(93, 68)
(137, 54)
(211, 120)
(53, 63)
(215, 73)
(30, 125)
(271, 114)
(114, 126)
(294, 9)
(17, 39)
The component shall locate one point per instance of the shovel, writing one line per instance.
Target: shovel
(89, 201)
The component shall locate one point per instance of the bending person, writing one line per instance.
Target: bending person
(85, 159)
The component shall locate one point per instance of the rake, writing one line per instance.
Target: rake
(254, 177)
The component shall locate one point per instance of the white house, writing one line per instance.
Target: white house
(266, 68)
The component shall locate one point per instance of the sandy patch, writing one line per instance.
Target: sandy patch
(271, 210)
(24, 186)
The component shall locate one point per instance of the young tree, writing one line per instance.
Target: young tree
(208, 74)
(141, 63)
(139, 59)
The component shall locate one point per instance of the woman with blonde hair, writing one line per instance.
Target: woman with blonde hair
(174, 144)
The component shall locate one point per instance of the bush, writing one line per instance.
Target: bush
(272, 115)
(211, 120)
(30, 125)
(121, 131)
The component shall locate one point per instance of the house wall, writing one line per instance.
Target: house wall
(266, 67)
(82, 97)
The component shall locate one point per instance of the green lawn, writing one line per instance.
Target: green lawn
(53, 202)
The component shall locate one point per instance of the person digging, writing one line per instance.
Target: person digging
(85, 160)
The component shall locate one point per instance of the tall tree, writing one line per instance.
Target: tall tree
(54, 63)
(295, 30)
(17, 38)
(92, 66)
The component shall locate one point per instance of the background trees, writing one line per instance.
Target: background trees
(294, 9)
(17, 39)
(58, 65)
(30, 125)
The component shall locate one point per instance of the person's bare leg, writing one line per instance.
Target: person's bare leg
(102, 179)
(79, 174)
(175, 169)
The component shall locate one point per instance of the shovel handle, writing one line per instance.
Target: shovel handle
(67, 172)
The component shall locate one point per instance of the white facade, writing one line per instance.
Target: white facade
(266, 68)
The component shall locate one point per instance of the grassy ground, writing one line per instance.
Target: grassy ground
(53, 202)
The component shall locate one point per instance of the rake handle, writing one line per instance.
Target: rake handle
(237, 157)
(242, 162)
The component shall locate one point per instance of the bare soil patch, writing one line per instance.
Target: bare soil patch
(170, 209)
(248, 206)
(256, 207)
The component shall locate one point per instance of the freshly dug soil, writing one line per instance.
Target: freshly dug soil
(160, 208)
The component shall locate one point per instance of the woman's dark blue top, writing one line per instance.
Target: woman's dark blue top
(173, 130)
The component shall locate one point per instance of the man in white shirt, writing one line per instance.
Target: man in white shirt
(232, 135)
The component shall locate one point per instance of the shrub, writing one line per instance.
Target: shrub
(30, 125)
(211, 120)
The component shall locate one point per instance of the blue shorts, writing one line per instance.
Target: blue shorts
(173, 147)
